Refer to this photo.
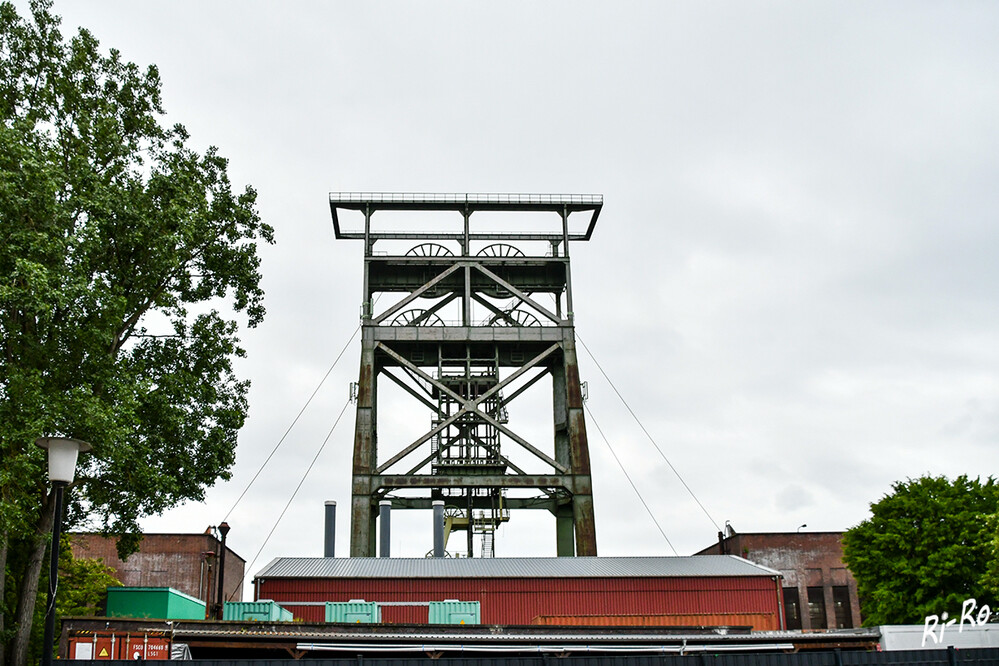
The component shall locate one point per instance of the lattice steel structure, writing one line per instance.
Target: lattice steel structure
(464, 321)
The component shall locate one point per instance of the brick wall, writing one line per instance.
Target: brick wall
(185, 562)
(811, 563)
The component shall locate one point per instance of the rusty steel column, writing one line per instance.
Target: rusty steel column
(579, 452)
(362, 542)
(564, 527)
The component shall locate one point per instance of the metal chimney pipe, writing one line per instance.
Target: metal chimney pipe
(385, 518)
(438, 528)
(329, 529)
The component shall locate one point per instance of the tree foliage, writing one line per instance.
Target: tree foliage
(925, 549)
(124, 256)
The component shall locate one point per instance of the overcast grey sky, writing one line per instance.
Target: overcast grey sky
(793, 280)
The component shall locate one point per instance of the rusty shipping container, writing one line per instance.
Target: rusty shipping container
(515, 591)
(101, 647)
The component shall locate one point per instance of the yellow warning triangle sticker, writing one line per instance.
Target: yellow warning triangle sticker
(103, 653)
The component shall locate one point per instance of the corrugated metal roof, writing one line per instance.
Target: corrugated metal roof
(427, 633)
(88, 626)
(513, 567)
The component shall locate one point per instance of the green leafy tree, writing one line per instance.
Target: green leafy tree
(925, 549)
(991, 580)
(124, 257)
(83, 585)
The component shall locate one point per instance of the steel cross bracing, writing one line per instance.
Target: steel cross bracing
(470, 320)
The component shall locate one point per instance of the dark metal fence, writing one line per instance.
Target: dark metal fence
(975, 656)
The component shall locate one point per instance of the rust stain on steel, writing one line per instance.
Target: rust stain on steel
(363, 432)
(364, 385)
(586, 530)
(361, 543)
(573, 392)
(582, 484)
(362, 441)
(579, 448)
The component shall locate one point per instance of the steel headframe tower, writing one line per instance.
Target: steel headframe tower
(452, 367)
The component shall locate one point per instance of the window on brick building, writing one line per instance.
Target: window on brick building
(841, 606)
(792, 608)
(817, 608)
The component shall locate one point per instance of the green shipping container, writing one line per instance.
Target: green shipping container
(454, 612)
(353, 612)
(264, 610)
(162, 603)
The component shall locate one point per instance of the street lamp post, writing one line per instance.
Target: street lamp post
(63, 453)
(220, 611)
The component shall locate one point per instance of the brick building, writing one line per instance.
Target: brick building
(819, 591)
(185, 562)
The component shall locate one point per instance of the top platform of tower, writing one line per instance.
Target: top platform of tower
(466, 204)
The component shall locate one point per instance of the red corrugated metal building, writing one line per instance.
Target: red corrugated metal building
(681, 591)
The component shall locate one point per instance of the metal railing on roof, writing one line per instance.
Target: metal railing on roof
(455, 198)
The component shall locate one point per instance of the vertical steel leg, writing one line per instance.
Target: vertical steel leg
(579, 451)
(362, 542)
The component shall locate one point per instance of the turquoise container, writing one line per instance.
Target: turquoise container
(353, 612)
(163, 603)
(454, 612)
(264, 610)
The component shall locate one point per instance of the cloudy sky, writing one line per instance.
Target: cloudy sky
(793, 281)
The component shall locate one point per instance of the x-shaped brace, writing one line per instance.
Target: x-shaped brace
(469, 407)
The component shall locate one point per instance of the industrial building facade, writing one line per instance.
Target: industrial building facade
(185, 562)
(664, 591)
(819, 590)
